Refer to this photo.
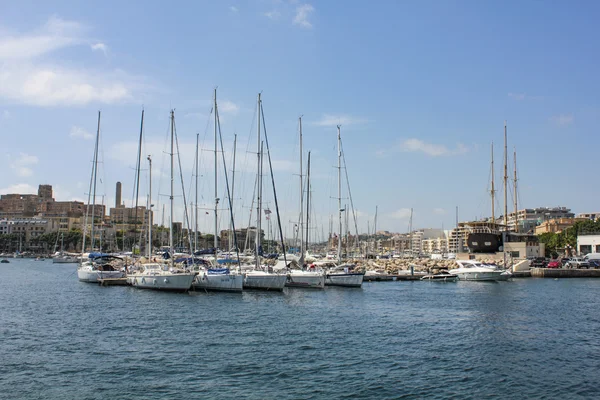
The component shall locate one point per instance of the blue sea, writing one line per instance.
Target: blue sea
(525, 339)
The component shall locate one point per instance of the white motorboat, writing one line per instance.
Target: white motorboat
(471, 270)
(161, 277)
(378, 275)
(442, 276)
(91, 272)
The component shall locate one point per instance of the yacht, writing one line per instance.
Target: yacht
(98, 268)
(161, 277)
(264, 278)
(216, 279)
(471, 270)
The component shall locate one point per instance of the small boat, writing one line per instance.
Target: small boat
(4, 261)
(442, 276)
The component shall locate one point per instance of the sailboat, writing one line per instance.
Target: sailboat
(261, 276)
(95, 268)
(160, 276)
(342, 274)
(61, 257)
(211, 277)
(300, 277)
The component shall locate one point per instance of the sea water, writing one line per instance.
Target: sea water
(529, 338)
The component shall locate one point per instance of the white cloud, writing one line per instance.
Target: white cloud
(228, 107)
(402, 213)
(78, 132)
(434, 150)
(19, 188)
(439, 211)
(100, 46)
(562, 119)
(233, 8)
(344, 120)
(301, 17)
(272, 14)
(28, 78)
(22, 164)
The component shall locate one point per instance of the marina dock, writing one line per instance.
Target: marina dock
(113, 282)
(564, 273)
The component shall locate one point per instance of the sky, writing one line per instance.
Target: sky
(420, 89)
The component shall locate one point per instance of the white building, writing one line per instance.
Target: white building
(588, 244)
(591, 216)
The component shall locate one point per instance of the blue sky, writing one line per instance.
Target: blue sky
(421, 89)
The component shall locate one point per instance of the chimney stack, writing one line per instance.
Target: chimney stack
(118, 196)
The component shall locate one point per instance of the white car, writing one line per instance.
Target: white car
(577, 262)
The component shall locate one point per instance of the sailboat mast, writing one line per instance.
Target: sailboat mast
(171, 250)
(505, 180)
(307, 199)
(301, 198)
(196, 200)
(216, 185)
(231, 230)
(493, 191)
(95, 176)
(258, 184)
(137, 180)
(339, 251)
(516, 197)
(150, 208)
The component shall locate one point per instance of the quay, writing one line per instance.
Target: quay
(113, 282)
(564, 273)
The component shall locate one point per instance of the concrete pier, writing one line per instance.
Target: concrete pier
(564, 273)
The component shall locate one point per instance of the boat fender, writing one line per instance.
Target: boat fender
(143, 280)
(166, 280)
(154, 281)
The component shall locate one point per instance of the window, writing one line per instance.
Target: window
(585, 248)
(598, 248)
(515, 254)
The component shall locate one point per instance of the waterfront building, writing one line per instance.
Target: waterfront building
(589, 216)
(588, 244)
(27, 228)
(556, 225)
(528, 218)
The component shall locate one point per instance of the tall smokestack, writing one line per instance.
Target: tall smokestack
(118, 196)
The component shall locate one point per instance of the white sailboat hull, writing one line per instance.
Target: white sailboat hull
(162, 281)
(305, 279)
(344, 279)
(222, 283)
(264, 280)
(92, 276)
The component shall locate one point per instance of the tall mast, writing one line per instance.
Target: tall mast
(196, 200)
(216, 187)
(301, 199)
(493, 191)
(516, 197)
(171, 250)
(231, 230)
(505, 181)
(150, 209)
(95, 176)
(258, 184)
(137, 180)
(339, 252)
(307, 200)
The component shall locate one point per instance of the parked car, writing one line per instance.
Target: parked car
(564, 260)
(577, 262)
(554, 264)
(594, 263)
(538, 262)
